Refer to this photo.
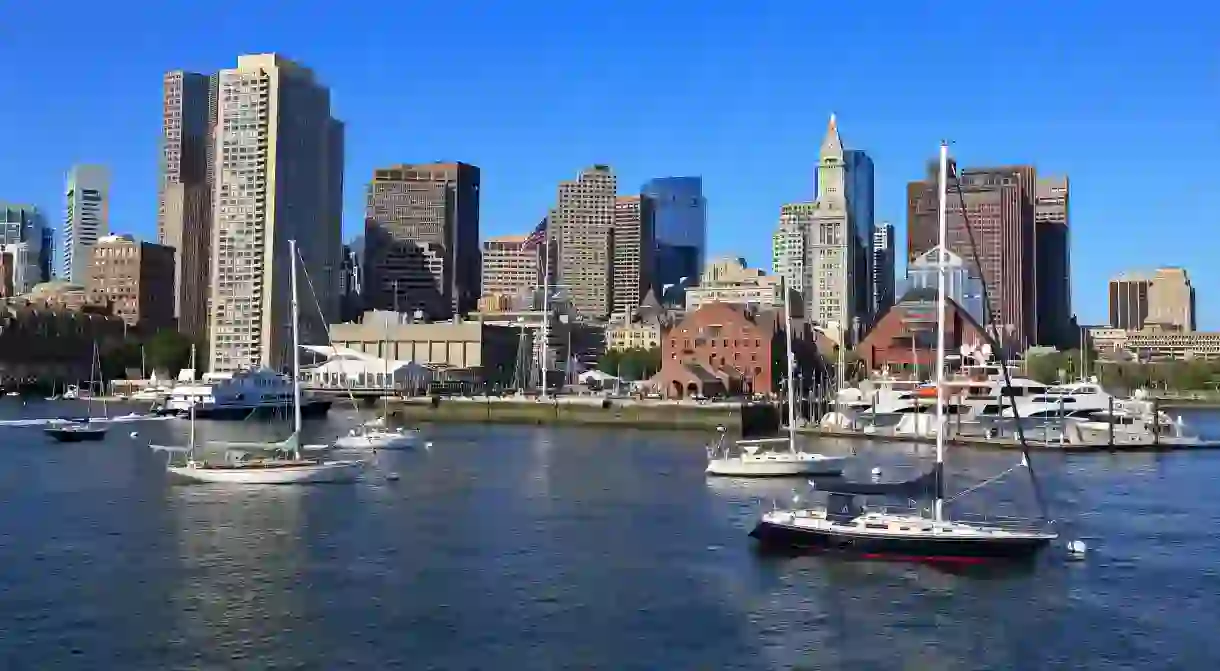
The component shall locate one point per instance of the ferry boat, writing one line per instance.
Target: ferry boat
(239, 395)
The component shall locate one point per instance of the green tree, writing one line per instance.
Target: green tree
(609, 361)
(168, 350)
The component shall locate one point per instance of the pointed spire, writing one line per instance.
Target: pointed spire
(832, 145)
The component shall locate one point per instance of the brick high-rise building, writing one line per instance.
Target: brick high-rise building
(278, 177)
(1171, 300)
(132, 276)
(184, 211)
(581, 231)
(1052, 262)
(1000, 210)
(422, 239)
(634, 243)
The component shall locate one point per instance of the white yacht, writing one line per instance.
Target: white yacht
(1077, 399)
(239, 395)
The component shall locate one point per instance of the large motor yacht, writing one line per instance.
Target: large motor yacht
(240, 395)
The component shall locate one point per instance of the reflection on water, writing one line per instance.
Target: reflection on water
(527, 547)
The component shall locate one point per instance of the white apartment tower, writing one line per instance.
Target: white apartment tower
(87, 218)
(278, 177)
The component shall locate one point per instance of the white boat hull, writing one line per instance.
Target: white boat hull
(776, 465)
(286, 473)
(378, 440)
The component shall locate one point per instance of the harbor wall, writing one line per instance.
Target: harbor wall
(607, 413)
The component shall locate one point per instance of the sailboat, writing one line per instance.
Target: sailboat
(845, 525)
(376, 436)
(285, 462)
(76, 431)
(751, 460)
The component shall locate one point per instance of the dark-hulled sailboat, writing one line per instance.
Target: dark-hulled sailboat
(844, 524)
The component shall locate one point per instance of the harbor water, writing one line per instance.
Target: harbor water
(521, 547)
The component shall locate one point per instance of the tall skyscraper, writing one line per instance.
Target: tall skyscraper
(1129, 301)
(1000, 212)
(184, 212)
(274, 182)
(882, 269)
(634, 243)
(25, 225)
(837, 230)
(87, 218)
(1052, 262)
(581, 230)
(680, 227)
(422, 228)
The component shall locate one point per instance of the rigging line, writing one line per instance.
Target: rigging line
(986, 482)
(335, 350)
(995, 345)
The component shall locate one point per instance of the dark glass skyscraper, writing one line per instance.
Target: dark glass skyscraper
(680, 220)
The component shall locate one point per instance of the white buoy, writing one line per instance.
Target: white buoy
(392, 477)
(428, 445)
(1077, 550)
(876, 471)
(135, 434)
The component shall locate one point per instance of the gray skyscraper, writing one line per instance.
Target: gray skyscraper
(882, 268)
(581, 230)
(184, 213)
(86, 218)
(421, 222)
(634, 245)
(274, 181)
(25, 229)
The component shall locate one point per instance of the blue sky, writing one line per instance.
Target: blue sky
(1122, 99)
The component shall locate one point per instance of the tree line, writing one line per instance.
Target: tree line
(1123, 375)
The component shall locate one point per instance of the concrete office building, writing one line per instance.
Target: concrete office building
(1129, 300)
(512, 267)
(882, 269)
(634, 246)
(788, 244)
(680, 227)
(132, 277)
(278, 177)
(581, 230)
(422, 232)
(87, 218)
(184, 211)
(1052, 261)
(1171, 301)
(1000, 211)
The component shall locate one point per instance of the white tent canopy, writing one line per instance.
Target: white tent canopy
(346, 368)
(595, 376)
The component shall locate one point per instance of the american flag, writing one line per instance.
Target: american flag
(536, 238)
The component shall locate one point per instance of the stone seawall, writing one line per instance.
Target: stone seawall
(609, 413)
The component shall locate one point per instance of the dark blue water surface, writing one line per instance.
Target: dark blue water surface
(509, 547)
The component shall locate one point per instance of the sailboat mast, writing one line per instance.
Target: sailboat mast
(546, 317)
(296, 359)
(938, 509)
(385, 360)
(791, 359)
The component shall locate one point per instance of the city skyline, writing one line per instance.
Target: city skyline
(752, 157)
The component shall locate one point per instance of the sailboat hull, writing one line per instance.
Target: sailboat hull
(911, 548)
(310, 409)
(71, 434)
(378, 440)
(272, 473)
(775, 466)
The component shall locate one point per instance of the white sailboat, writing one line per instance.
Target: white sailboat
(375, 435)
(285, 463)
(750, 459)
(845, 525)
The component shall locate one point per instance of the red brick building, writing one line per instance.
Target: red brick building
(906, 334)
(727, 348)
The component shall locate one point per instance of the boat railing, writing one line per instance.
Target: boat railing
(1006, 522)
